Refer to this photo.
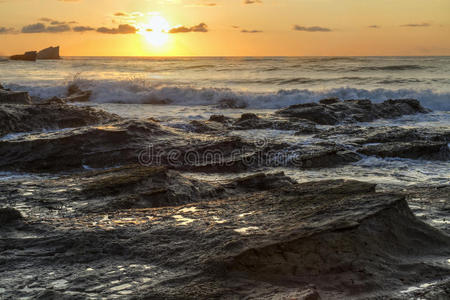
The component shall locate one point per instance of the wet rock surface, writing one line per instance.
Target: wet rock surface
(351, 242)
(26, 118)
(352, 111)
(14, 97)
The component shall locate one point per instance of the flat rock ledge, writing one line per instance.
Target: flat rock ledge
(329, 239)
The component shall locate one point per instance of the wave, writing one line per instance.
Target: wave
(127, 91)
(390, 68)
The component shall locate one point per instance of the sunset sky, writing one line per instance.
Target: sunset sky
(226, 27)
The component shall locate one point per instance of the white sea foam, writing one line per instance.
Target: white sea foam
(126, 91)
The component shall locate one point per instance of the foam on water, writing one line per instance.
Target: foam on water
(267, 82)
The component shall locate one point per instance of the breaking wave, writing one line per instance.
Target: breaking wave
(126, 91)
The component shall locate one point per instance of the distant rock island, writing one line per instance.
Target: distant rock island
(47, 53)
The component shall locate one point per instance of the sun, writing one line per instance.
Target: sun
(155, 30)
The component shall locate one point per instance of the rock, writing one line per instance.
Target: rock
(231, 103)
(23, 118)
(8, 215)
(339, 239)
(72, 89)
(207, 126)
(79, 97)
(75, 94)
(351, 111)
(49, 53)
(54, 100)
(261, 182)
(329, 101)
(219, 118)
(137, 186)
(307, 129)
(10, 97)
(415, 150)
(157, 101)
(28, 56)
(115, 144)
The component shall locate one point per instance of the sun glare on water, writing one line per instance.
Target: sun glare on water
(155, 31)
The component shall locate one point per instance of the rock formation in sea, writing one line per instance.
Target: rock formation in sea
(28, 56)
(49, 53)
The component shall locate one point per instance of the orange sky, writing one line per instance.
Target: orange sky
(227, 27)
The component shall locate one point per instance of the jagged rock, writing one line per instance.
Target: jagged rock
(75, 94)
(415, 150)
(73, 88)
(79, 97)
(28, 56)
(351, 111)
(319, 155)
(8, 215)
(53, 100)
(95, 146)
(23, 118)
(207, 126)
(219, 118)
(49, 53)
(329, 101)
(11, 97)
(261, 182)
(116, 144)
(231, 103)
(338, 239)
(138, 186)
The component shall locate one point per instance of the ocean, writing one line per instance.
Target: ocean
(194, 86)
(260, 82)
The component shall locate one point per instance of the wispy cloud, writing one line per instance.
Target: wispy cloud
(311, 28)
(374, 26)
(252, 1)
(251, 31)
(416, 25)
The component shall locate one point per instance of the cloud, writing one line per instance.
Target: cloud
(6, 30)
(83, 28)
(202, 4)
(120, 14)
(252, 1)
(57, 23)
(48, 20)
(34, 28)
(58, 28)
(122, 29)
(416, 25)
(374, 26)
(202, 27)
(40, 28)
(251, 31)
(311, 28)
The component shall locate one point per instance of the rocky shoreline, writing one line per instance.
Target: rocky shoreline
(108, 209)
